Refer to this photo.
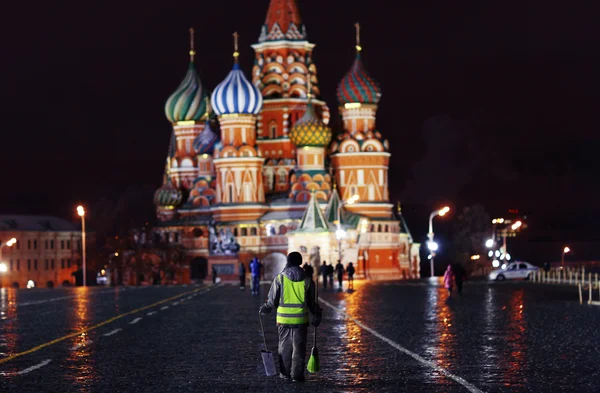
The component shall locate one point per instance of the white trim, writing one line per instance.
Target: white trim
(284, 43)
(363, 153)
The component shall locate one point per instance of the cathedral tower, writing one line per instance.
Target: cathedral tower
(186, 109)
(282, 69)
(238, 163)
(360, 154)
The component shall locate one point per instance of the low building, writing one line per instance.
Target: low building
(45, 254)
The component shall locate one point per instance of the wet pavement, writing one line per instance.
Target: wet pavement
(384, 337)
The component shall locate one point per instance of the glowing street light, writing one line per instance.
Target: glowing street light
(442, 212)
(566, 250)
(81, 213)
(489, 243)
(516, 225)
(3, 267)
(433, 246)
(9, 243)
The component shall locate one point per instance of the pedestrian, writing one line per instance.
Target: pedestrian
(242, 276)
(330, 274)
(459, 276)
(350, 271)
(309, 270)
(255, 272)
(293, 294)
(448, 277)
(214, 274)
(339, 269)
(323, 273)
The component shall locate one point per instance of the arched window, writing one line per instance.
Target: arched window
(253, 231)
(282, 177)
(235, 232)
(387, 228)
(379, 229)
(244, 232)
(272, 129)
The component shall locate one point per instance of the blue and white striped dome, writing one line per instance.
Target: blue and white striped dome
(235, 95)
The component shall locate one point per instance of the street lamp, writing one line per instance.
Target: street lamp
(81, 213)
(562, 259)
(9, 243)
(431, 243)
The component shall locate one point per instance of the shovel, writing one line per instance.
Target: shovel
(314, 365)
(267, 356)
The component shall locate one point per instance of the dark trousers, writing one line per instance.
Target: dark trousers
(255, 284)
(340, 280)
(324, 280)
(243, 282)
(459, 285)
(292, 351)
(331, 280)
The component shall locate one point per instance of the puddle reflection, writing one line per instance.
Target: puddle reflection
(9, 323)
(515, 356)
(79, 363)
(441, 342)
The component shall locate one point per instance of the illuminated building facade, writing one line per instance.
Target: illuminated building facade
(257, 160)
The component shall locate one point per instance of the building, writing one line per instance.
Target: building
(254, 170)
(46, 251)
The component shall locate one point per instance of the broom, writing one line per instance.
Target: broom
(313, 365)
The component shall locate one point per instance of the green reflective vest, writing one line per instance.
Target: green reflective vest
(292, 308)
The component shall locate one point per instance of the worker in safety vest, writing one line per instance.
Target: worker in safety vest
(293, 294)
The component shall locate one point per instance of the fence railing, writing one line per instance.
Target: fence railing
(584, 281)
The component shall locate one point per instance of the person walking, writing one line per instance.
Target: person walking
(242, 276)
(350, 270)
(255, 272)
(214, 274)
(339, 269)
(309, 270)
(459, 276)
(293, 294)
(330, 274)
(448, 277)
(323, 273)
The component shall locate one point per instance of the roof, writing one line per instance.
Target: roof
(348, 219)
(358, 86)
(35, 223)
(283, 22)
(313, 219)
(236, 95)
(283, 215)
(188, 102)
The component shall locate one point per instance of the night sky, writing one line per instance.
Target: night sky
(484, 102)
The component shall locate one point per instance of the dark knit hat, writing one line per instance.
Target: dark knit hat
(294, 259)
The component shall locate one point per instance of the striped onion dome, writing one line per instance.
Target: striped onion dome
(168, 195)
(235, 95)
(357, 86)
(188, 102)
(205, 141)
(309, 130)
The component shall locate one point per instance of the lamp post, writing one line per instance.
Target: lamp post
(431, 244)
(562, 259)
(3, 266)
(81, 213)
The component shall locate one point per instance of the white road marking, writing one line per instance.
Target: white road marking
(189, 298)
(135, 321)
(471, 388)
(151, 313)
(83, 344)
(113, 332)
(175, 303)
(30, 369)
(164, 308)
(54, 299)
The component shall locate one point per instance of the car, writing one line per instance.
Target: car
(514, 271)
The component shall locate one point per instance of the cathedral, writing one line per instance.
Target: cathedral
(253, 170)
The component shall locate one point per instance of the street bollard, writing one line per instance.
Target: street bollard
(570, 277)
(590, 299)
(580, 294)
(596, 279)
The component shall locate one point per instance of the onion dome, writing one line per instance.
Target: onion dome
(357, 86)
(309, 130)
(235, 95)
(188, 102)
(205, 141)
(168, 195)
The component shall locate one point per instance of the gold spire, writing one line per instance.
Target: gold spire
(399, 208)
(192, 49)
(235, 46)
(358, 47)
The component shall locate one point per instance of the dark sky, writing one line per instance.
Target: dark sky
(486, 102)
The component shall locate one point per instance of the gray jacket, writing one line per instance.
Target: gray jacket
(294, 273)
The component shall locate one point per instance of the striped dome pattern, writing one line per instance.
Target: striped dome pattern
(167, 195)
(357, 86)
(205, 141)
(235, 95)
(309, 130)
(188, 102)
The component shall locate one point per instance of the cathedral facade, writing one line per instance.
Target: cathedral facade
(253, 170)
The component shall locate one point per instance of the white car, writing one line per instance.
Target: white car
(514, 270)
